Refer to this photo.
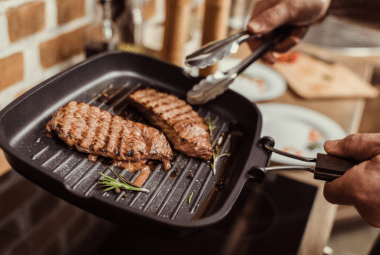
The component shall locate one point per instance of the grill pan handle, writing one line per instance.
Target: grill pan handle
(327, 167)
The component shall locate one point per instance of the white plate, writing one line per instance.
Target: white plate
(297, 130)
(257, 83)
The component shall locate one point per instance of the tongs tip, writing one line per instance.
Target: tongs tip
(214, 85)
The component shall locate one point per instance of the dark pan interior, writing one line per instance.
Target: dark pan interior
(106, 81)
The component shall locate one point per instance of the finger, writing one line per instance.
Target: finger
(359, 146)
(261, 6)
(287, 44)
(367, 199)
(269, 19)
(334, 147)
(359, 187)
(335, 191)
(254, 43)
(292, 40)
(300, 31)
(353, 186)
(283, 46)
(269, 58)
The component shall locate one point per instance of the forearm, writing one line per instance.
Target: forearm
(362, 12)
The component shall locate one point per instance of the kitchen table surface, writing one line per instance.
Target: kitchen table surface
(347, 112)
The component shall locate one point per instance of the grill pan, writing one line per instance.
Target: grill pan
(106, 81)
(165, 211)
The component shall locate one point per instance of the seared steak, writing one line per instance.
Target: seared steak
(95, 131)
(182, 126)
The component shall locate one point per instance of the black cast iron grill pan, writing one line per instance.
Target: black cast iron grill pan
(106, 81)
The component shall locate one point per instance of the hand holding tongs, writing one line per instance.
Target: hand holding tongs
(215, 84)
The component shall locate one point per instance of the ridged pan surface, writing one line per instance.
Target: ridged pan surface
(106, 82)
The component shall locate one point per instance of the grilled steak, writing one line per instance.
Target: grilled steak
(95, 131)
(182, 126)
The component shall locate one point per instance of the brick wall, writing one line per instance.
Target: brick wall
(39, 38)
(30, 28)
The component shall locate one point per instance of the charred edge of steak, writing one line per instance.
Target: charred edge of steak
(187, 131)
(97, 132)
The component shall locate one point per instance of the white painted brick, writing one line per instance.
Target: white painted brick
(9, 94)
(50, 14)
(13, 3)
(32, 67)
(29, 46)
(4, 38)
(91, 8)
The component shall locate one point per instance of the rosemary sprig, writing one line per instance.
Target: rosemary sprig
(192, 193)
(215, 158)
(210, 127)
(111, 183)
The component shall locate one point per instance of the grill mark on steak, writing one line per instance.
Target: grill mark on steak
(169, 108)
(78, 117)
(80, 124)
(92, 119)
(68, 125)
(119, 142)
(180, 123)
(113, 135)
(150, 98)
(177, 112)
(97, 133)
(109, 130)
(163, 101)
(180, 117)
(104, 134)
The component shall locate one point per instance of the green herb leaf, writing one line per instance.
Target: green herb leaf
(111, 183)
(210, 127)
(314, 146)
(192, 193)
(215, 158)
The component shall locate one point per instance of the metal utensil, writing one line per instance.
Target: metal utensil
(327, 167)
(215, 51)
(215, 84)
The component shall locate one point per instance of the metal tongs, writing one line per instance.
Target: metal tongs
(217, 83)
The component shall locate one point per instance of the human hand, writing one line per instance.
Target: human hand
(360, 185)
(270, 14)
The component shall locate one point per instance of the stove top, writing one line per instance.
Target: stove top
(266, 219)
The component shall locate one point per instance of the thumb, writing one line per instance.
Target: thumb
(334, 148)
(358, 146)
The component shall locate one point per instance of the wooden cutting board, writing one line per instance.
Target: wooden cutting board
(313, 78)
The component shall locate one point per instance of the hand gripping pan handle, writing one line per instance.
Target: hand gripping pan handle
(327, 167)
